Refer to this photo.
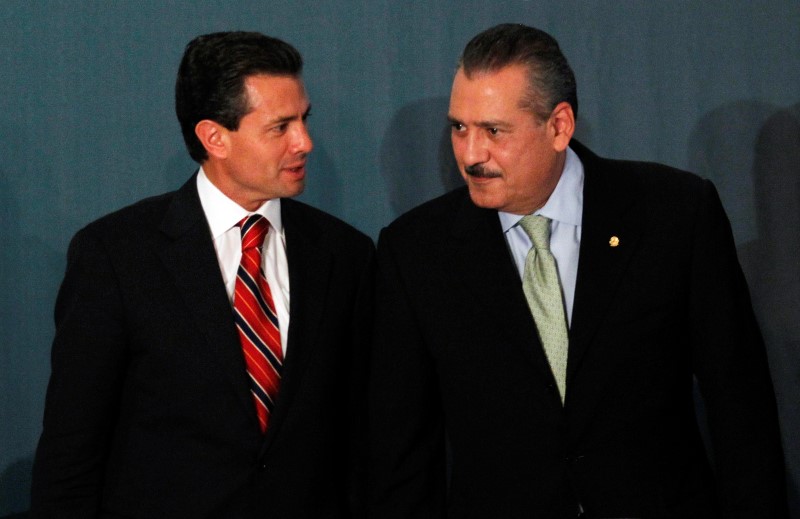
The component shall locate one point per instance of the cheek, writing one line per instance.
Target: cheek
(270, 156)
(458, 149)
(504, 158)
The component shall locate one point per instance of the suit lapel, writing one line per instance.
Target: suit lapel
(482, 259)
(606, 215)
(309, 278)
(188, 254)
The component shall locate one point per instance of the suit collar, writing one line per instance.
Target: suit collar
(184, 212)
(484, 264)
(484, 259)
(310, 264)
(607, 215)
(222, 213)
(188, 254)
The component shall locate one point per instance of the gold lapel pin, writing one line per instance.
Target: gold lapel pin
(614, 241)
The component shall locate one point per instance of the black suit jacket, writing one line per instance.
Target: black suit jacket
(457, 356)
(148, 410)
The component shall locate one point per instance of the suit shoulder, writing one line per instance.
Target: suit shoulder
(653, 174)
(638, 175)
(433, 214)
(656, 185)
(665, 188)
(335, 229)
(145, 213)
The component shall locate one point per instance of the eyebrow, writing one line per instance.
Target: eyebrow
(480, 124)
(289, 118)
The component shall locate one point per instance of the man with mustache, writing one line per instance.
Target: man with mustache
(209, 355)
(539, 330)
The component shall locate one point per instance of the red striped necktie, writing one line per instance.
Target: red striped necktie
(257, 321)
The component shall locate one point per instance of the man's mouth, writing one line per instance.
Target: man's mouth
(296, 168)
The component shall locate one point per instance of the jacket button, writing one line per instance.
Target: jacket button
(262, 466)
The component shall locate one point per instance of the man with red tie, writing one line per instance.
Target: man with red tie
(210, 342)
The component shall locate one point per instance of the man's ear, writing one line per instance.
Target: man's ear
(562, 121)
(214, 138)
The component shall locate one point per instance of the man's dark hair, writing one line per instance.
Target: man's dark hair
(211, 78)
(551, 78)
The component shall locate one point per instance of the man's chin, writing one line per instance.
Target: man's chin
(294, 189)
(483, 198)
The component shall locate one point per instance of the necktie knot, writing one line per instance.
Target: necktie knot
(254, 228)
(537, 227)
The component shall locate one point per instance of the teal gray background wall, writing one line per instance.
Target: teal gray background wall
(87, 126)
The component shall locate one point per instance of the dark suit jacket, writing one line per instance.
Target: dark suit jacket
(457, 356)
(148, 410)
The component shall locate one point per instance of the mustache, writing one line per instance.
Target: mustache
(479, 171)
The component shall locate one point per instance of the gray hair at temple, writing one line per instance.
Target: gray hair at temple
(551, 78)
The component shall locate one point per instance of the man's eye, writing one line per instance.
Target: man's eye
(493, 131)
(457, 126)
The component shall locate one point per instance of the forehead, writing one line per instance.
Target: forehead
(275, 93)
(489, 93)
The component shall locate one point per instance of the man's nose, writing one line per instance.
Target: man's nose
(475, 150)
(302, 142)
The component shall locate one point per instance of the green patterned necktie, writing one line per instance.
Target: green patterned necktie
(543, 292)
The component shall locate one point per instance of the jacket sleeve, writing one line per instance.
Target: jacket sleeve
(407, 455)
(88, 363)
(731, 367)
(362, 324)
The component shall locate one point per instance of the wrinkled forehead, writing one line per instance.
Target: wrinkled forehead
(488, 93)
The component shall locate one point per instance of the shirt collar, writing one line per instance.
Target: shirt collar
(223, 213)
(565, 203)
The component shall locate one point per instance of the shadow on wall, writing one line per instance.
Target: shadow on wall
(416, 158)
(751, 151)
(772, 265)
(15, 481)
(722, 149)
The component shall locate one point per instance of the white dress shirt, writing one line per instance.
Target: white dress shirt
(565, 209)
(223, 214)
